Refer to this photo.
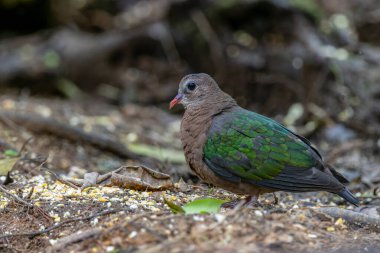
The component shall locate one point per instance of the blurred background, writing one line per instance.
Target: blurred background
(85, 87)
(111, 67)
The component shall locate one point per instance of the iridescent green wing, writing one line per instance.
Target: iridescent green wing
(245, 146)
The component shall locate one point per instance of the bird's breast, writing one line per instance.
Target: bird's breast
(194, 128)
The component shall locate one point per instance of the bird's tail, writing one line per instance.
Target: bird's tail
(348, 196)
(337, 175)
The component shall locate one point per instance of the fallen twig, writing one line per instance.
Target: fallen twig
(37, 123)
(25, 203)
(354, 218)
(36, 233)
(369, 197)
(94, 232)
(63, 181)
(15, 197)
(73, 238)
(24, 145)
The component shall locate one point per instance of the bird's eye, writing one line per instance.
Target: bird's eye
(191, 86)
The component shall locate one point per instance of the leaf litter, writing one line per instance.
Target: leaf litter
(130, 177)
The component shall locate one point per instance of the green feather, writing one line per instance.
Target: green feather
(255, 147)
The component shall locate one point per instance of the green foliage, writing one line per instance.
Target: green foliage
(199, 206)
(69, 89)
(51, 59)
(7, 164)
(11, 153)
(173, 207)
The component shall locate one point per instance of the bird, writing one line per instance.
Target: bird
(245, 152)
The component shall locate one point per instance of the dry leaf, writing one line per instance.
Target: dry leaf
(131, 177)
(140, 178)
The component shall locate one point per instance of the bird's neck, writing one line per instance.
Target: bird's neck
(197, 119)
(215, 103)
(206, 110)
(195, 125)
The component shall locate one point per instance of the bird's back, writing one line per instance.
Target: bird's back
(245, 146)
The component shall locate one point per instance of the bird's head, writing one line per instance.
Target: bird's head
(196, 89)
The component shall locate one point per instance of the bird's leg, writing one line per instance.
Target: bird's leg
(252, 201)
(249, 201)
(233, 203)
(275, 198)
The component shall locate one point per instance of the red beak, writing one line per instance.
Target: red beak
(175, 101)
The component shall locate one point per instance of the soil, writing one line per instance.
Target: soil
(111, 219)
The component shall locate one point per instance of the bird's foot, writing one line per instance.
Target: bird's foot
(233, 203)
(250, 202)
(275, 202)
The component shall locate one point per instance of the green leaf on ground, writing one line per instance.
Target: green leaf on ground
(198, 206)
(206, 205)
(173, 207)
(11, 153)
(6, 165)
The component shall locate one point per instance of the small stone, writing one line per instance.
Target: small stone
(198, 218)
(94, 221)
(132, 234)
(52, 241)
(110, 248)
(133, 206)
(219, 217)
(259, 213)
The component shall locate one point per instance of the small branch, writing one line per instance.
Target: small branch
(36, 233)
(23, 147)
(81, 236)
(25, 203)
(37, 123)
(354, 218)
(68, 183)
(17, 198)
(74, 238)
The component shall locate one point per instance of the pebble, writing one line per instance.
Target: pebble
(110, 248)
(219, 217)
(259, 213)
(133, 206)
(198, 218)
(132, 234)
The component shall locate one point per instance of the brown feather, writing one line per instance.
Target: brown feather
(203, 101)
(194, 127)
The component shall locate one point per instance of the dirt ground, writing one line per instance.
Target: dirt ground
(54, 217)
